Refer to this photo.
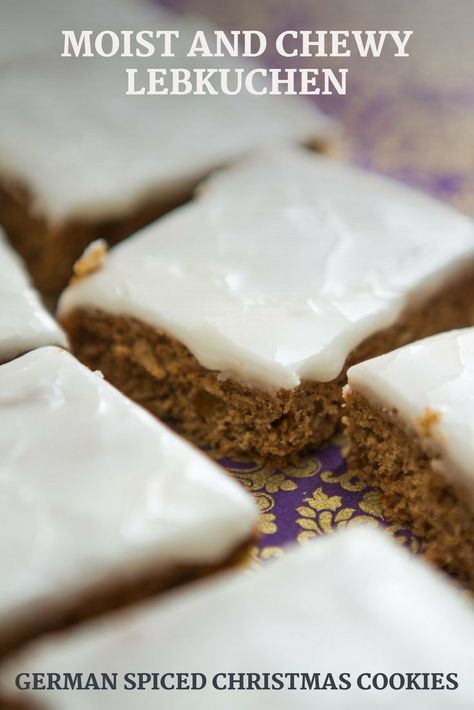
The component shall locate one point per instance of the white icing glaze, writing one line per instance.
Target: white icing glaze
(94, 489)
(354, 603)
(24, 323)
(435, 374)
(84, 149)
(281, 266)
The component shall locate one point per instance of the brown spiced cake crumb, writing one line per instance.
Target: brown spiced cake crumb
(236, 316)
(410, 417)
(428, 421)
(92, 260)
(161, 374)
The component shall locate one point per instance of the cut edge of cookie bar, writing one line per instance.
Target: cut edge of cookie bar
(388, 454)
(160, 373)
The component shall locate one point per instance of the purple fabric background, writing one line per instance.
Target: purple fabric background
(412, 119)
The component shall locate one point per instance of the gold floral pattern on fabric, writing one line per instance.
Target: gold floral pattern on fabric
(311, 496)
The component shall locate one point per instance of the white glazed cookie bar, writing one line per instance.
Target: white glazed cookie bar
(79, 159)
(410, 415)
(99, 502)
(237, 314)
(351, 620)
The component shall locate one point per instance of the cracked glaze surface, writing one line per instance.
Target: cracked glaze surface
(24, 323)
(431, 385)
(96, 490)
(281, 266)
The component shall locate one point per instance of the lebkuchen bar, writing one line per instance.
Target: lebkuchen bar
(410, 415)
(25, 324)
(237, 315)
(79, 159)
(347, 621)
(99, 502)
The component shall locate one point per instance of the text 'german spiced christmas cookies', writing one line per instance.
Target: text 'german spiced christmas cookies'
(81, 159)
(24, 322)
(410, 415)
(99, 502)
(236, 315)
(348, 621)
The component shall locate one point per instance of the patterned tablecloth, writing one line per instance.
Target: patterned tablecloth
(412, 119)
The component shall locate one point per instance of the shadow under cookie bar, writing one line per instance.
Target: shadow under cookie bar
(160, 373)
(387, 454)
